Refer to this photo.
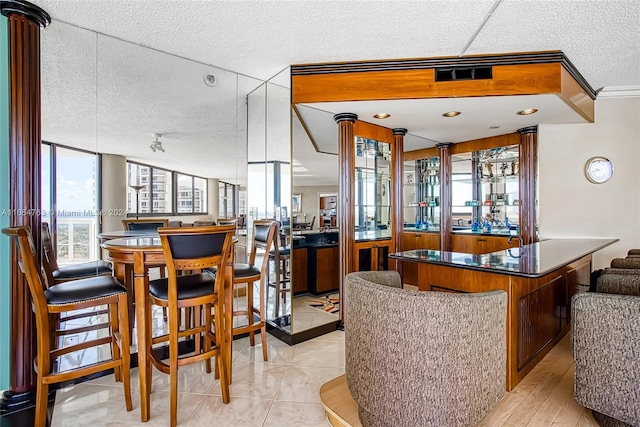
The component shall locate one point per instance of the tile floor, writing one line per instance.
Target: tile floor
(281, 392)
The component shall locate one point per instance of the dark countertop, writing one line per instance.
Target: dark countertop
(534, 260)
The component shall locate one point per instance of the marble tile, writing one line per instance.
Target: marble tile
(302, 383)
(254, 380)
(327, 354)
(278, 351)
(88, 405)
(288, 414)
(110, 381)
(160, 411)
(336, 336)
(191, 379)
(238, 412)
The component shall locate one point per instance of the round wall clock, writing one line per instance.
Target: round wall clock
(598, 170)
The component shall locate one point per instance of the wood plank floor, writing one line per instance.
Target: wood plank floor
(543, 398)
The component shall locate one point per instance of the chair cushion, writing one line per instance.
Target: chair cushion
(81, 271)
(192, 286)
(83, 290)
(245, 270)
(285, 251)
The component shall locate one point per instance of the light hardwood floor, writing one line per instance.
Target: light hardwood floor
(543, 398)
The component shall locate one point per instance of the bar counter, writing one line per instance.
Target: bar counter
(533, 260)
(539, 279)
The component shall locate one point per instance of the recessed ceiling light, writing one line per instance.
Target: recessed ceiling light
(494, 127)
(382, 116)
(527, 111)
(451, 113)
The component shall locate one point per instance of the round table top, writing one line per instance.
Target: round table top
(138, 242)
(118, 234)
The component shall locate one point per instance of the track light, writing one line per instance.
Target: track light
(156, 145)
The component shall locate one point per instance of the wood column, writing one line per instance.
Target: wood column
(346, 202)
(445, 195)
(528, 180)
(397, 166)
(25, 21)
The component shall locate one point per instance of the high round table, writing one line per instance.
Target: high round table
(132, 257)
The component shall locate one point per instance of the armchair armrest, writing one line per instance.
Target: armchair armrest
(606, 345)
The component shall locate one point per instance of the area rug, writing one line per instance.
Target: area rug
(328, 303)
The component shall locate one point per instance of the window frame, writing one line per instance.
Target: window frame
(174, 193)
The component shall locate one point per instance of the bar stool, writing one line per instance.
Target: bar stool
(281, 257)
(264, 233)
(69, 296)
(187, 249)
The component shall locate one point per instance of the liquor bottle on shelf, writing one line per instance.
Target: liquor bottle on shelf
(486, 227)
(425, 223)
(475, 227)
(418, 223)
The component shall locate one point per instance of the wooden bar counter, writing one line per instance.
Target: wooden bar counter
(539, 278)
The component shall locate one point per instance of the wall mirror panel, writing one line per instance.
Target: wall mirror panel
(105, 96)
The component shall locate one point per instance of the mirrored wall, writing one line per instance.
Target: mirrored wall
(293, 182)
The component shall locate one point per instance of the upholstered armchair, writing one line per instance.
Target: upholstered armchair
(422, 358)
(606, 345)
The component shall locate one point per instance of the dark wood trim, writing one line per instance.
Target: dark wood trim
(521, 58)
(24, 22)
(397, 227)
(528, 196)
(423, 153)
(347, 165)
(445, 195)
(486, 143)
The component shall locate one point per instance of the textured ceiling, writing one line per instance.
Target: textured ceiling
(106, 94)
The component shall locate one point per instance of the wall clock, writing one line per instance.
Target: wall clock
(598, 170)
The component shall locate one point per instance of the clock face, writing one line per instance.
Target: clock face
(599, 170)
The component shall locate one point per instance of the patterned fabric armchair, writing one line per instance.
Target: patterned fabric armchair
(422, 358)
(606, 345)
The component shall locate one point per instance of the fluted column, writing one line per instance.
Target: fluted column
(346, 205)
(25, 21)
(445, 195)
(528, 178)
(396, 187)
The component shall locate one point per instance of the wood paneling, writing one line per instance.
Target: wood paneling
(478, 244)
(521, 79)
(539, 319)
(416, 240)
(576, 97)
(486, 143)
(370, 131)
(423, 153)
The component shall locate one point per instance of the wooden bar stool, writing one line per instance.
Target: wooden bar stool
(188, 249)
(264, 234)
(68, 296)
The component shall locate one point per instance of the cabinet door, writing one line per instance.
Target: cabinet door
(327, 269)
(465, 244)
(493, 244)
(299, 270)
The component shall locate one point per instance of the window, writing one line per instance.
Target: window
(165, 192)
(226, 205)
(70, 201)
(192, 194)
(155, 195)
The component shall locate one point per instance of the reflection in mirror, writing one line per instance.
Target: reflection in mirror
(421, 198)
(372, 186)
(106, 98)
(315, 257)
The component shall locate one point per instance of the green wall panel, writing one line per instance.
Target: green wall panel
(5, 291)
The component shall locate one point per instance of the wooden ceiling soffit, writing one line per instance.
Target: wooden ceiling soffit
(371, 131)
(531, 73)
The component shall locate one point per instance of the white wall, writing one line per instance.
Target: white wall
(114, 190)
(571, 206)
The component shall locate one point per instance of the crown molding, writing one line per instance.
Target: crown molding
(619, 92)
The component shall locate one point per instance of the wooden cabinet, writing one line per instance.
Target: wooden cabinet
(299, 271)
(372, 255)
(479, 244)
(410, 241)
(324, 269)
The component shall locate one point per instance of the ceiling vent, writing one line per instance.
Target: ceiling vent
(464, 73)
